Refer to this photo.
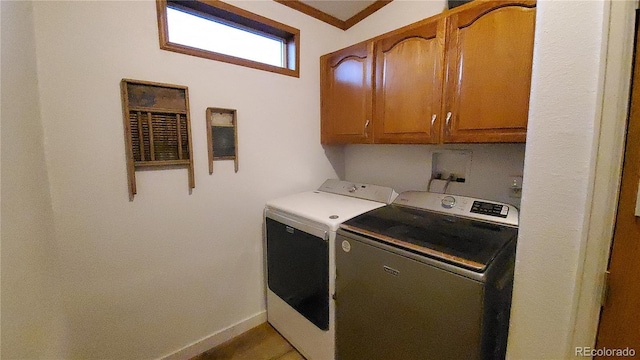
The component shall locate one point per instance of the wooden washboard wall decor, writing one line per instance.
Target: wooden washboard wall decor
(157, 128)
(222, 136)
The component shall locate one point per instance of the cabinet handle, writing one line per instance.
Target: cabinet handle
(433, 121)
(448, 118)
(366, 124)
(366, 129)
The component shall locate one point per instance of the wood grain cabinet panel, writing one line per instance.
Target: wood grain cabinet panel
(463, 76)
(346, 95)
(489, 58)
(408, 92)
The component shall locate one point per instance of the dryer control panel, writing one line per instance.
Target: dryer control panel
(371, 192)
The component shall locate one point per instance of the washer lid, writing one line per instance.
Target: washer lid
(323, 208)
(465, 242)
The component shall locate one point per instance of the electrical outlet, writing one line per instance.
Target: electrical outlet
(515, 188)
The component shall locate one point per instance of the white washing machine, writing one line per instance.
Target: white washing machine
(300, 232)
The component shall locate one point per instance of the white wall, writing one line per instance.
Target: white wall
(141, 282)
(558, 175)
(408, 167)
(604, 204)
(394, 15)
(142, 279)
(30, 306)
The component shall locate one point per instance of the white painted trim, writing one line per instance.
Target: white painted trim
(610, 150)
(217, 338)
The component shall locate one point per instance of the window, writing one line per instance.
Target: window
(215, 30)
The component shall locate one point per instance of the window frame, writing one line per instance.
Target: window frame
(230, 15)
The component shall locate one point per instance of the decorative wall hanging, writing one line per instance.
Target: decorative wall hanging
(157, 128)
(222, 136)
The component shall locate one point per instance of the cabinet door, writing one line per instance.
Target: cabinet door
(489, 57)
(345, 93)
(409, 77)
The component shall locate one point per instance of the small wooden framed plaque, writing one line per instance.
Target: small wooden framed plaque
(222, 136)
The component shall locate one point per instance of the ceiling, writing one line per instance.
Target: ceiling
(342, 10)
(342, 14)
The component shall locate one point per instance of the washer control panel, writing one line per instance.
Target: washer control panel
(491, 209)
(462, 206)
(448, 202)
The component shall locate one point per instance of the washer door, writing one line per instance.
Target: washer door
(298, 270)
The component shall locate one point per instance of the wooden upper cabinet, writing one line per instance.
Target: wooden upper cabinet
(346, 95)
(463, 76)
(408, 91)
(489, 56)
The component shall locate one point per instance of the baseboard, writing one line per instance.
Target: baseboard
(217, 338)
